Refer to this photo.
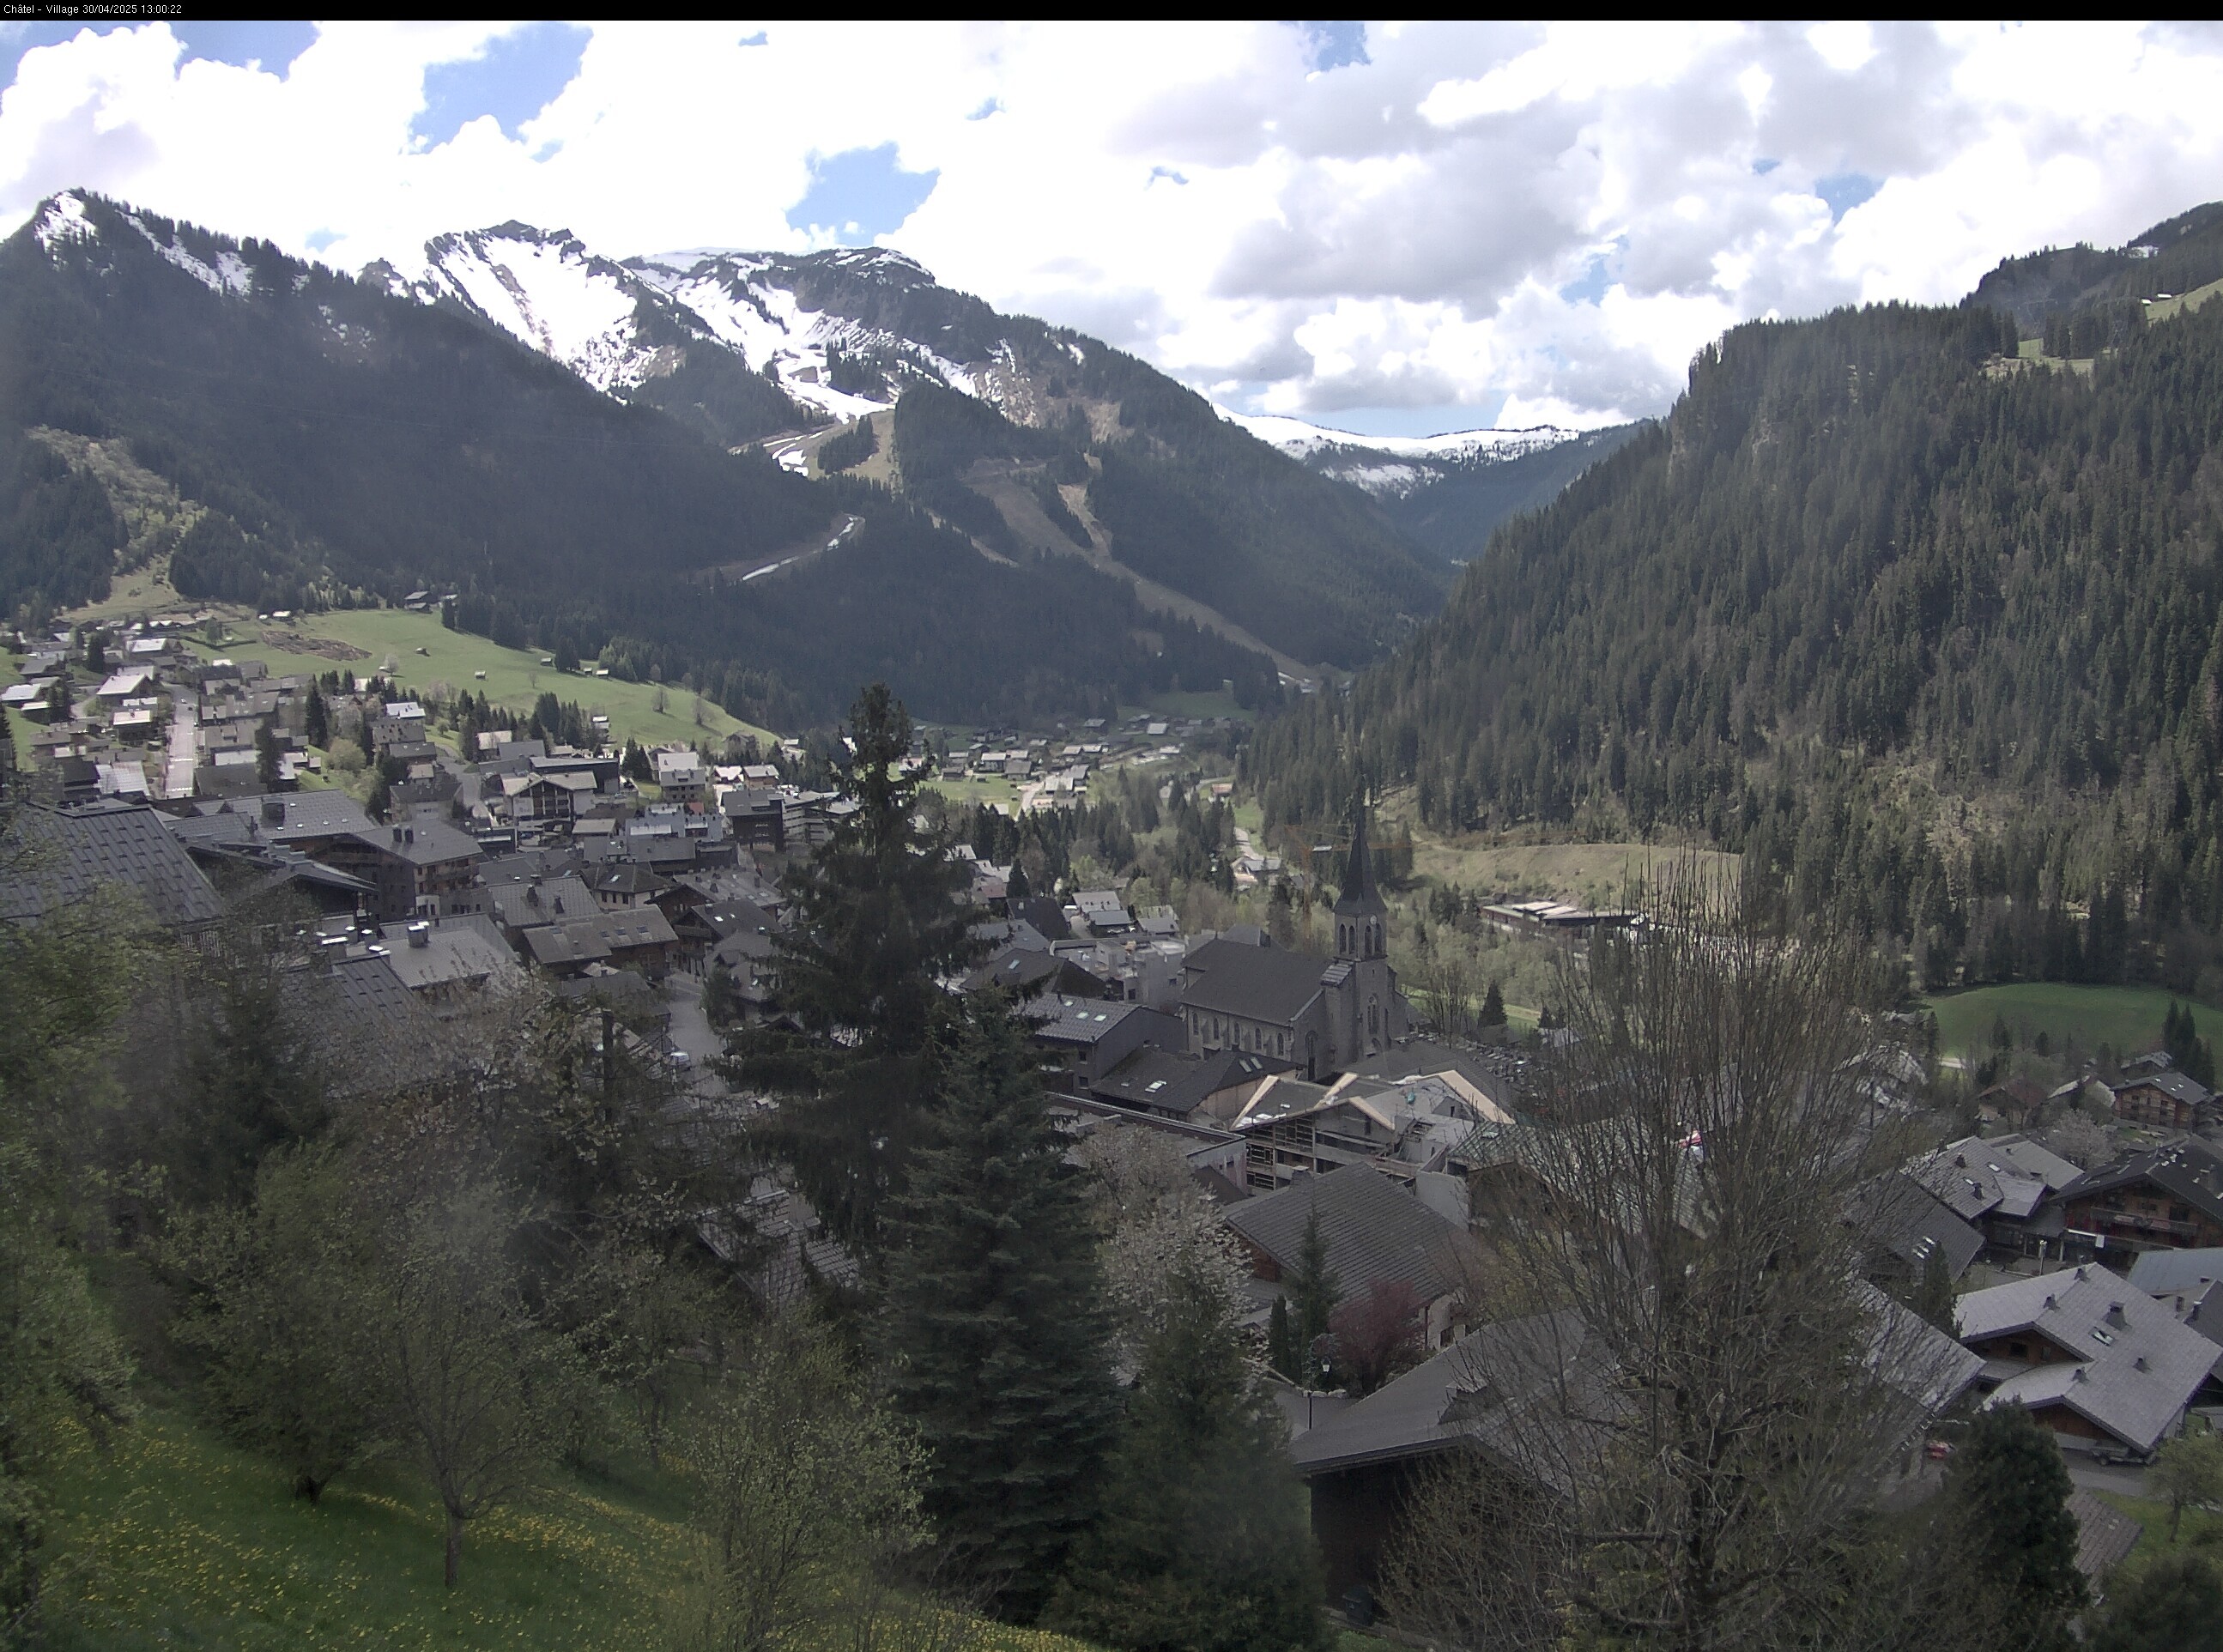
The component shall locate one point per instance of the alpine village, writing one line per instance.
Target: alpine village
(840, 973)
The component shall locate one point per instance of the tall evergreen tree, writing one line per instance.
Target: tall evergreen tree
(317, 723)
(994, 1321)
(1205, 1542)
(2011, 1490)
(877, 924)
(1313, 1290)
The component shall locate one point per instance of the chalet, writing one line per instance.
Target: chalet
(1028, 973)
(755, 818)
(1173, 1084)
(400, 722)
(2007, 1186)
(413, 865)
(2189, 1284)
(1535, 1398)
(2100, 1364)
(639, 940)
(682, 776)
(446, 960)
(1299, 1128)
(1089, 1036)
(2168, 1197)
(1374, 1231)
(2169, 1100)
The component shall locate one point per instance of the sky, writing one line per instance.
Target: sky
(1396, 229)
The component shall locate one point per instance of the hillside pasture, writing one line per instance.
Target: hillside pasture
(514, 677)
(2126, 1019)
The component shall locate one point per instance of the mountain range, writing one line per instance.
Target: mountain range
(624, 459)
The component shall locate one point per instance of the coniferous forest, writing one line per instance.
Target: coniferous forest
(1919, 627)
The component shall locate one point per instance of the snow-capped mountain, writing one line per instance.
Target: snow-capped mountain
(818, 326)
(1393, 467)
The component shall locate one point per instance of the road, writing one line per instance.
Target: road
(690, 1031)
(185, 728)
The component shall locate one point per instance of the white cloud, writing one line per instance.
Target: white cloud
(1392, 233)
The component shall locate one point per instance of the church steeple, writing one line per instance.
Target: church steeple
(1362, 922)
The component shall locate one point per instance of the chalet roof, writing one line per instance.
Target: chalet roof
(1258, 983)
(2188, 1168)
(2105, 1535)
(1082, 1021)
(467, 948)
(424, 842)
(2159, 1272)
(2133, 1368)
(68, 854)
(543, 901)
(1176, 1083)
(1904, 1217)
(2174, 1085)
(1483, 1389)
(1373, 1230)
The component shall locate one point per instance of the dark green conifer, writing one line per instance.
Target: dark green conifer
(1205, 1541)
(2010, 1494)
(994, 1325)
(877, 926)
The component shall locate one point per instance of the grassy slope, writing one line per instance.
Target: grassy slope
(1596, 874)
(188, 1542)
(514, 677)
(179, 1540)
(2127, 1019)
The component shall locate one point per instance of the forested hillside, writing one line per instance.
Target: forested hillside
(331, 442)
(1913, 624)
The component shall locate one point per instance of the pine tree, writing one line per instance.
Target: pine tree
(2010, 1492)
(1493, 1005)
(877, 924)
(317, 725)
(1313, 1291)
(995, 1324)
(1205, 1543)
(267, 770)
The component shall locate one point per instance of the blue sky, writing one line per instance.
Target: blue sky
(1392, 227)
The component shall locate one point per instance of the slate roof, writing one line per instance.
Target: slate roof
(1258, 983)
(2105, 1535)
(424, 842)
(67, 853)
(1082, 1021)
(1373, 1230)
(1484, 1389)
(2160, 1272)
(302, 815)
(466, 949)
(2174, 1085)
(2187, 1167)
(553, 900)
(2138, 1367)
(1904, 1218)
(598, 935)
(1167, 1082)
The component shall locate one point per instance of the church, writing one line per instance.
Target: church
(1320, 1014)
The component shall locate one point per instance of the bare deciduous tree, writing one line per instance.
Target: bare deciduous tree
(1687, 1390)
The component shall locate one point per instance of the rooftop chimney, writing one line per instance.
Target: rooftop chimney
(397, 834)
(420, 933)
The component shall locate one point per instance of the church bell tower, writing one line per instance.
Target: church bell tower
(1362, 922)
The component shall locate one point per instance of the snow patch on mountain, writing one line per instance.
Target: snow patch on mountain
(230, 273)
(740, 299)
(550, 293)
(63, 219)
